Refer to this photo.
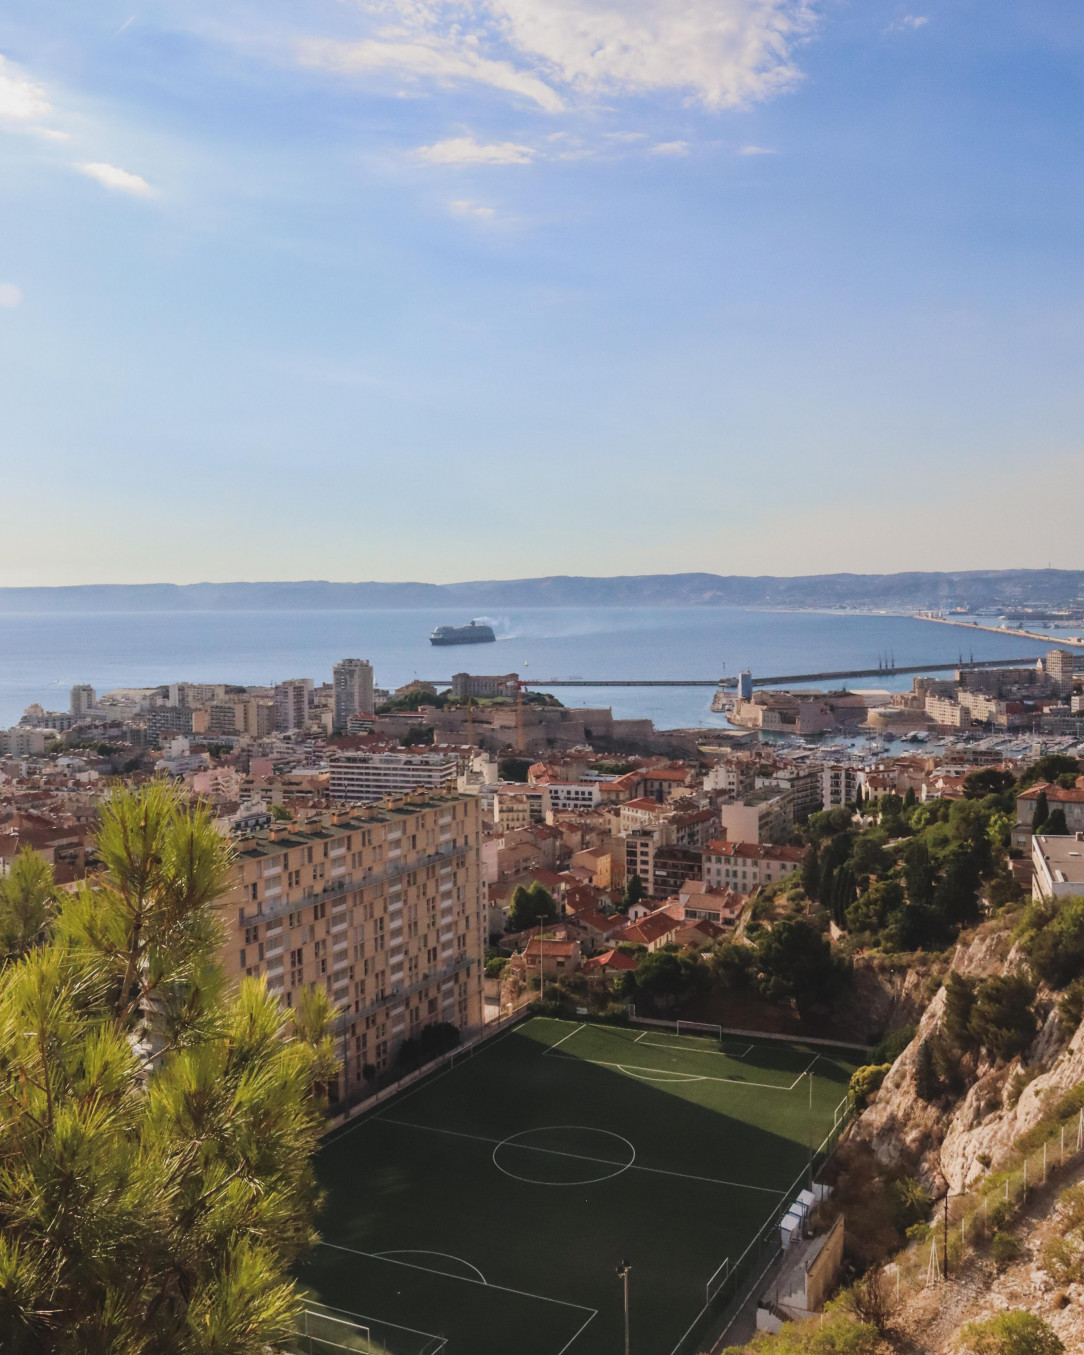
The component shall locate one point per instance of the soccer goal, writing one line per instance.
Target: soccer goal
(320, 1333)
(703, 1028)
(714, 1286)
(320, 1330)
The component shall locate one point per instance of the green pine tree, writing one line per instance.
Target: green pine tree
(1042, 812)
(156, 1134)
(959, 1004)
(926, 1080)
(27, 900)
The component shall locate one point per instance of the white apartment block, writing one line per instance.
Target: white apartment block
(572, 795)
(745, 866)
(945, 711)
(293, 703)
(764, 815)
(352, 681)
(359, 777)
(1058, 864)
(83, 700)
(839, 783)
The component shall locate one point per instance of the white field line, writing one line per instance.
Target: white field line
(677, 1048)
(462, 1279)
(581, 1157)
(364, 1318)
(634, 1070)
(576, 1334)
(419, 1251)
(563, 1038)
(704, 1077)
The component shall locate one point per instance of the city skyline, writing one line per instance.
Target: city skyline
(405, 291)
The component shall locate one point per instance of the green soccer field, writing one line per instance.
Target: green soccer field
(489, 1206)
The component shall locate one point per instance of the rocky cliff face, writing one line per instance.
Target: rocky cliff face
(942, 1143)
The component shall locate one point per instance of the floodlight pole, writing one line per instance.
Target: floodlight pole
(810, 1076)
(623, 1269)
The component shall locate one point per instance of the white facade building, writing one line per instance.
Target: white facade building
(83, 700)
(372, 776)
(293, 702)
(352, 680)
(1058, 866)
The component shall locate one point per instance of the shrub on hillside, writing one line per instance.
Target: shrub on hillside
(833, 1334)
(1052, 936)
(1059, 1259)
(1010, 1334)
(866, 1081)
(893, 1045)
(1004, 1249)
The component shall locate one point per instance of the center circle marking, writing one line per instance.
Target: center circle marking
(516, 1141)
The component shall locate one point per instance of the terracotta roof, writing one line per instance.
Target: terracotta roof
(756, 851)
(643, 802)
(612, 959)
(548, 947)
(649, 929)
(595, 921)
(1054, 794)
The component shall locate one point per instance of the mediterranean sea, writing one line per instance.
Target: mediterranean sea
(42, 655)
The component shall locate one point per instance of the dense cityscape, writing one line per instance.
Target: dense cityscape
(541, 678)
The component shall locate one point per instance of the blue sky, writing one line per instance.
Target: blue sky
(451, 289)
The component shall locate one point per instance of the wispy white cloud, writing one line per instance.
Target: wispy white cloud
(909, 23)
(464, 150)
(425, 56)
(671, 148)
(464, 207)
(23, 104)
(120, 180)
(10, 295)
(721, 53)
(756, 150)
(20, 99)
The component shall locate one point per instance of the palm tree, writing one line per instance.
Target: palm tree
(156, 1133)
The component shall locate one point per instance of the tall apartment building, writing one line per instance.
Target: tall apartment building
(357, 777)
(1058, 664)
(762, 816)
(165, 720)
(840, 783)
(83, 700)
(381, 906)
(352, 680)
(293, 701)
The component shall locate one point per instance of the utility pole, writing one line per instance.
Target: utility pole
(946, 1233)
(623, 1269)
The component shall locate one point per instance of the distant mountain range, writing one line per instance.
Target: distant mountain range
(972, 588)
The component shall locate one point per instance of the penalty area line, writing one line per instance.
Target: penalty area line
(560, 1042)
(461, 1279)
